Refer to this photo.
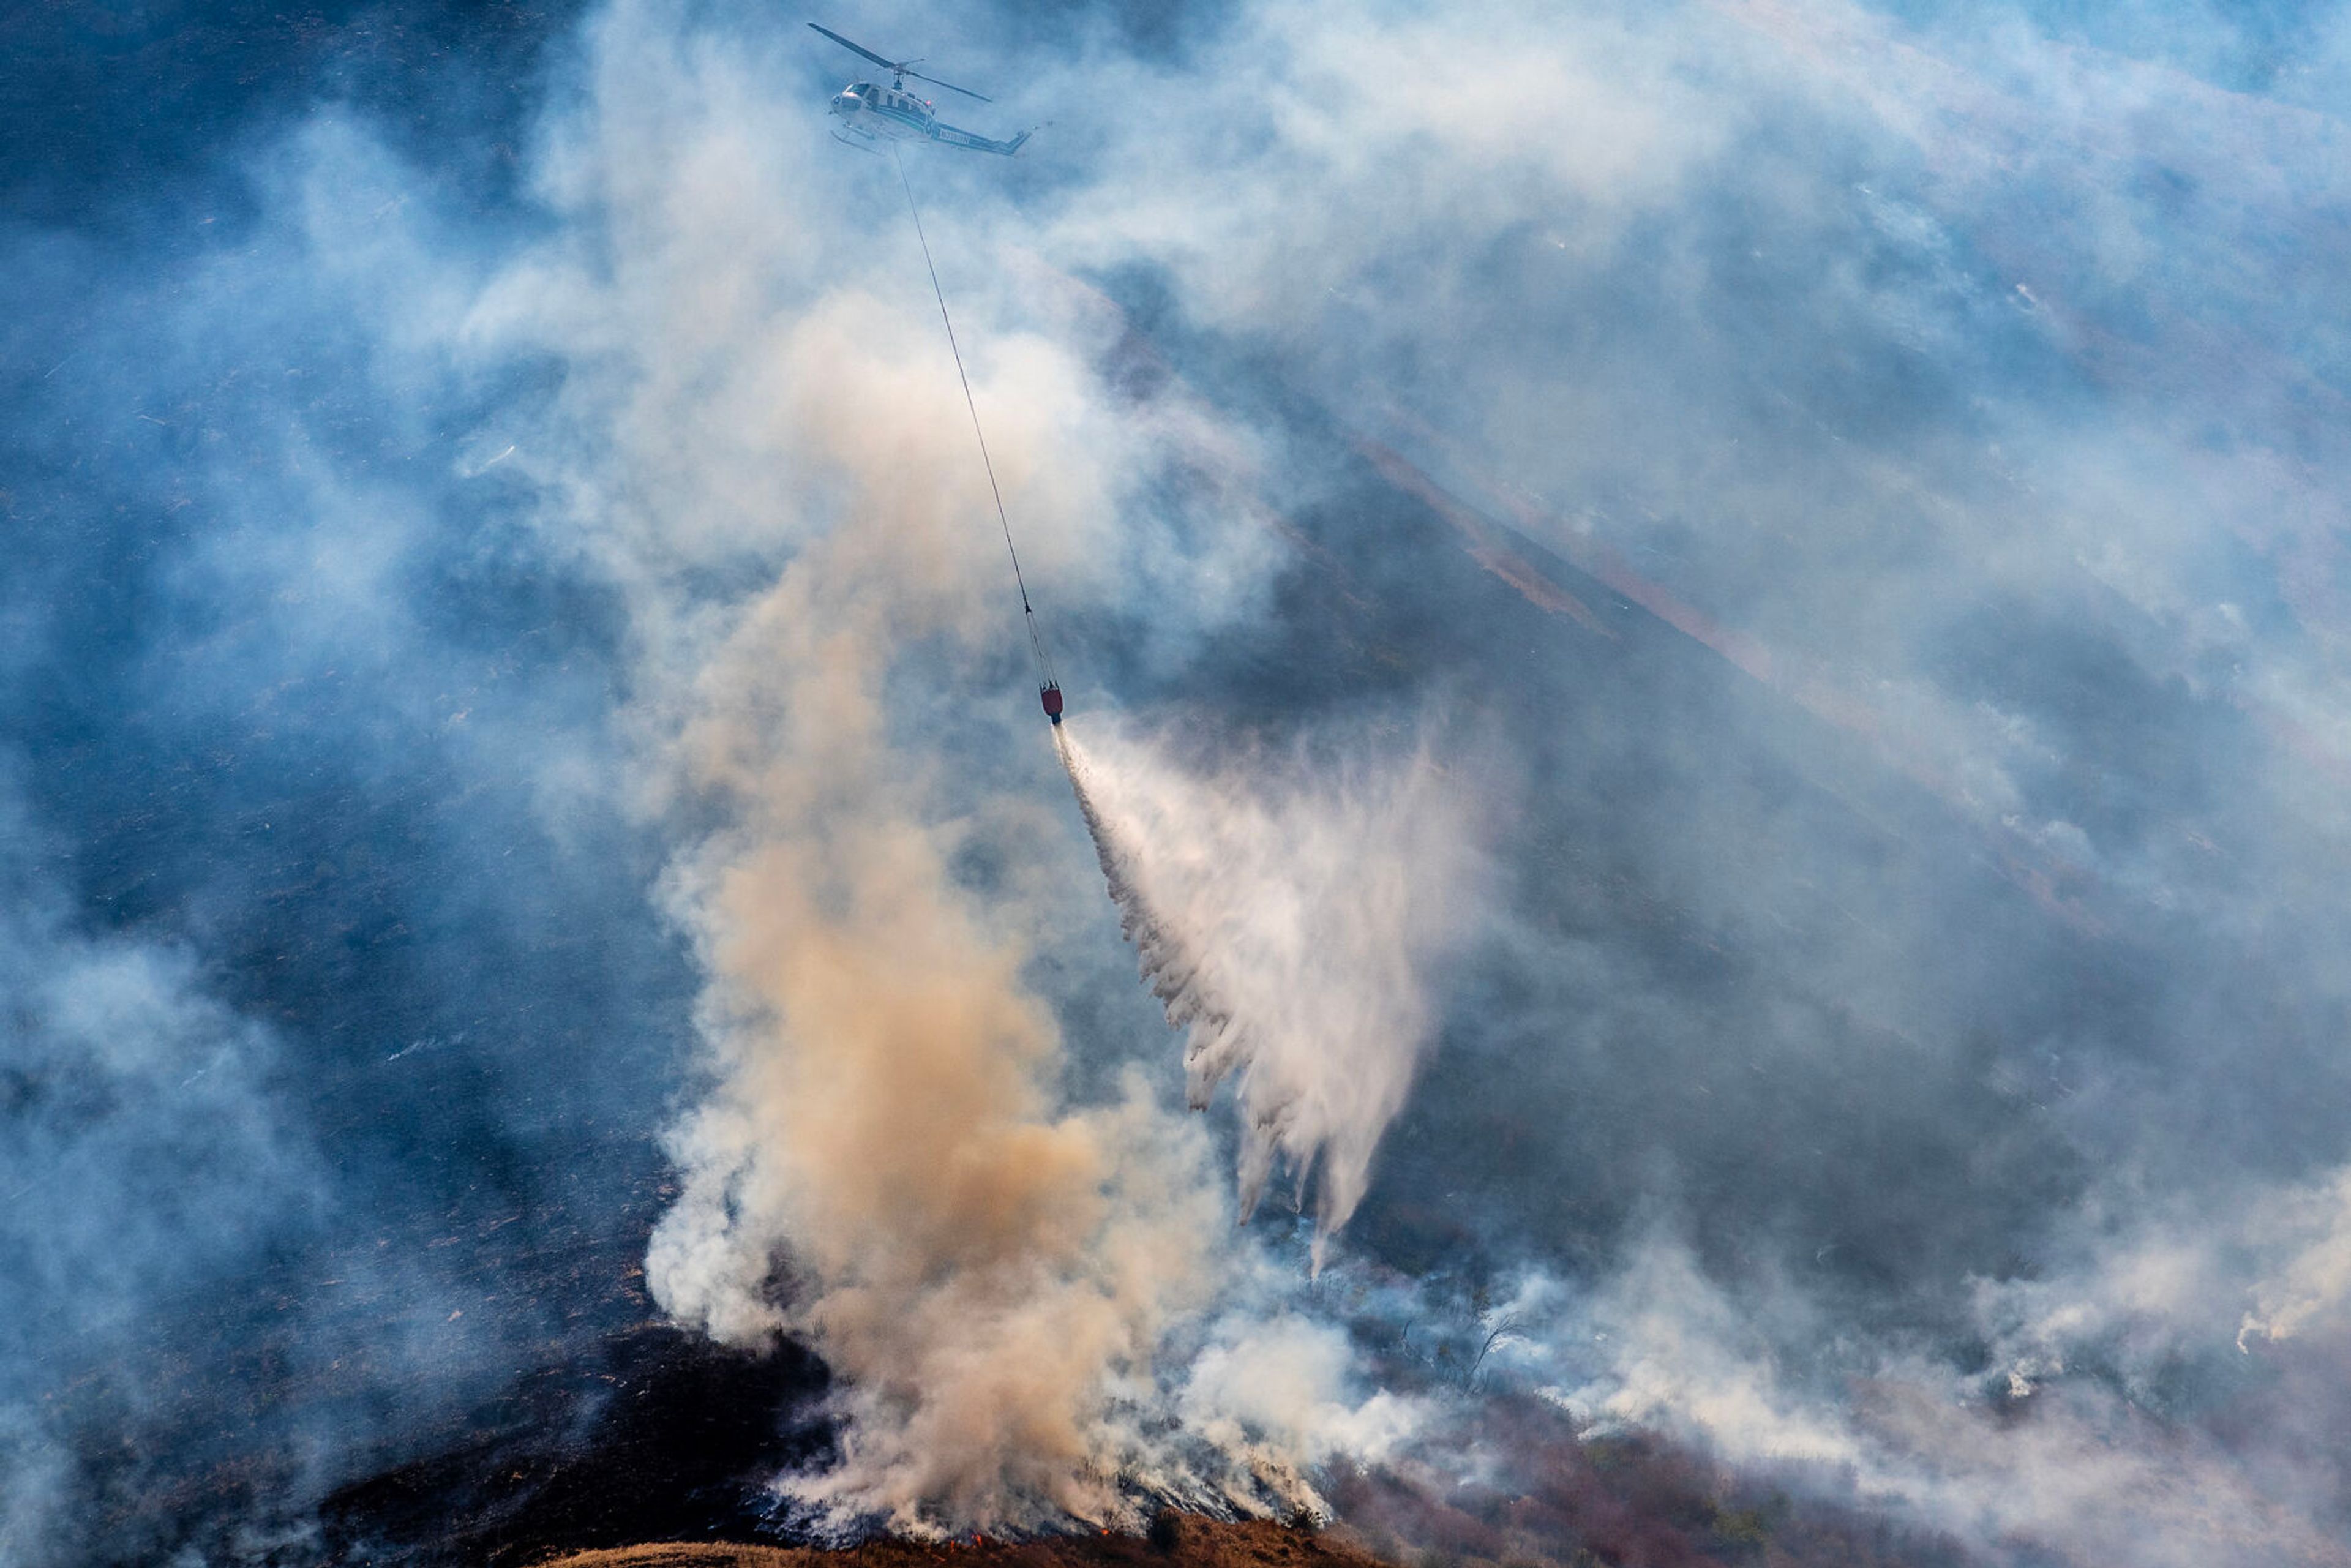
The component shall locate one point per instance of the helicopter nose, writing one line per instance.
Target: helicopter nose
(844, 103)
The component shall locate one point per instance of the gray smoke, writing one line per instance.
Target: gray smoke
(487, 572)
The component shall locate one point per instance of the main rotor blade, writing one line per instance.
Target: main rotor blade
(859, 48)
(951, 86)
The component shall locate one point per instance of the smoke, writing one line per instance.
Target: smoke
(1271, 1396)
(1902, 470)
(986, 1275)
(2307, 1288)
(1291, 915)
(151, 1157)
(888, 1161)
(2076, 1469)
(886, 1166)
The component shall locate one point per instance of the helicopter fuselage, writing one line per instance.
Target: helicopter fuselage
(865, 108)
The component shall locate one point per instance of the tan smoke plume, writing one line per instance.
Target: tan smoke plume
(883, 1166)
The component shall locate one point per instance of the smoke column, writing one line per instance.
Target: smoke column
(883, 1165)
(1292, 924)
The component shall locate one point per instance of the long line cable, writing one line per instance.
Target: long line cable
(1027, 615)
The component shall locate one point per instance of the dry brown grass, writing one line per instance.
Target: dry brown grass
(1199, 1543)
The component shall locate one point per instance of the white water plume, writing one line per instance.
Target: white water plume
(1292, 917)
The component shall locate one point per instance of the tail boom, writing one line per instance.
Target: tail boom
(953, 137)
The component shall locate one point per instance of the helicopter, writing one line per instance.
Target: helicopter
(869, 112)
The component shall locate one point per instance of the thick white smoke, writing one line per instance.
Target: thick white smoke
(1292, 917)
(2056, 1469)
